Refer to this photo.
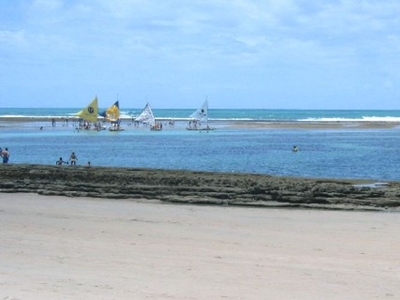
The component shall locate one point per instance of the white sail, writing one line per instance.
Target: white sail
(201, 114)
(200, 119)
(146, 116)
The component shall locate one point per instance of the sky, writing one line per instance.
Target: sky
(273, 54)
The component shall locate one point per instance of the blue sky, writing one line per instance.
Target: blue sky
(289, 54)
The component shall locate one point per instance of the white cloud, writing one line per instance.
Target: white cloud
(175, 41)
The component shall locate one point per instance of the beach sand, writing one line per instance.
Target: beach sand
(84, 248)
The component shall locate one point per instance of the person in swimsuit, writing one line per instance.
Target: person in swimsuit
(5, 155)
(73, 159)
(60, 162)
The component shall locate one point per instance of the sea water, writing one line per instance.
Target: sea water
(328, 153)
(228, 114)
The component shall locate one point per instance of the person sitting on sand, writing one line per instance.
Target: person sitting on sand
(60, 162)
(73, 159)
(5, 155)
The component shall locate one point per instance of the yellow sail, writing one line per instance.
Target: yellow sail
(90, 112)
(112, 113)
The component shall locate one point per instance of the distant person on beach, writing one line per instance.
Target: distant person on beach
(60, 162)
(73, 159)
(5, 154)
(88, 164)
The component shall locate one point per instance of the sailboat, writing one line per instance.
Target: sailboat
(112, 115)
(147, 117)
(199, 119)
(89, 114)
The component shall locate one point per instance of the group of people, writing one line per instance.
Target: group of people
(5, 155)
(72, 160)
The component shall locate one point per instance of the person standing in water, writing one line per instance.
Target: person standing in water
(60, 162)
(73, 159)
(5, 154)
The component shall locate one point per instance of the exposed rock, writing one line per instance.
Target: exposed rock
(197, 187)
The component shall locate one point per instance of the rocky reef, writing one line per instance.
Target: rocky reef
(180, 186)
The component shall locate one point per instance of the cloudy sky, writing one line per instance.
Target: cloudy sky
(289, 54)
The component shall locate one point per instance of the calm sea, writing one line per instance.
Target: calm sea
(229, 114)
(329, 153)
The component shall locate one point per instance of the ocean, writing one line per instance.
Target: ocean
(228, 114)
(324, 152)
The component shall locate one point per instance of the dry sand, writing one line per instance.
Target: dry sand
(82, 248)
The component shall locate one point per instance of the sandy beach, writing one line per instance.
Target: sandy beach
(84, 248)
(128, 233)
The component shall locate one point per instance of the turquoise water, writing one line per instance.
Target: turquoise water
(331, 153)
(228, 114)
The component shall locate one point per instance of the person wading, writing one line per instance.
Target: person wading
(5, 154)
(73, 159)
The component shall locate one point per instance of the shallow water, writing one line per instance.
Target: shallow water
(360, 153)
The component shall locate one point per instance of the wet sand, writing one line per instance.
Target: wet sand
(85, 248)
(315, 125)
(16, 121)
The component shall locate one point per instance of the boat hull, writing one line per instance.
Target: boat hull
(201, 129)
(116, 129)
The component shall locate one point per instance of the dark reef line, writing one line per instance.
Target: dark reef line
(179, 186)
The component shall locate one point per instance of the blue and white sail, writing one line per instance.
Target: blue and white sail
(146, 116)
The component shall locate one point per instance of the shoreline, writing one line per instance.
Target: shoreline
(194, 187)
